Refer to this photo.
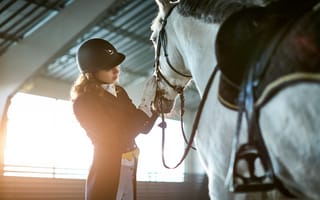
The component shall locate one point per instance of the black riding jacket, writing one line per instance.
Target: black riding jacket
(110, 121)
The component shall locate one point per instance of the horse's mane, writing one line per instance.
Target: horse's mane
(212, 11)
(215, 11)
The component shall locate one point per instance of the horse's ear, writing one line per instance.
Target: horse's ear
(165, 5)
(174, 2)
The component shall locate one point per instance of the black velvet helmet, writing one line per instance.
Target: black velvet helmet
(98, 54)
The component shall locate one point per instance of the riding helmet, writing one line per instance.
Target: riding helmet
(98, 54)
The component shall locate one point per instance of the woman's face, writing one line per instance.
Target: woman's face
(109, 76)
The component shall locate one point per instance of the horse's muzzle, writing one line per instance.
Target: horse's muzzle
(163, 105)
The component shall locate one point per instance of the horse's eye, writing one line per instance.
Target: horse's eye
(161, 21)
(153, 38)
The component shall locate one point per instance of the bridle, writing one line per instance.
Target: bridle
(162, 39)
(162, 43)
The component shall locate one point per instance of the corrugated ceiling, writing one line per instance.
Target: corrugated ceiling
(126, 24)
(20, 18)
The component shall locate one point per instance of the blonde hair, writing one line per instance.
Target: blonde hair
(85, 82)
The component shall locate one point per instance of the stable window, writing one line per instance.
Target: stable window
(44, 140)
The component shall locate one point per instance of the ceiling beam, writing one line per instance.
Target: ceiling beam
(48, 87)
(25, 58)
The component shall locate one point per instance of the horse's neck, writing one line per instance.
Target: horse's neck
(196, 43)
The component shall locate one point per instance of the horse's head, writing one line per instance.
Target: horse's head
(170, 71)
(182, 43)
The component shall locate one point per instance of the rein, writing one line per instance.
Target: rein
(195, 123)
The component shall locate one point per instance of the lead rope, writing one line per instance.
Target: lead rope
(195, 124)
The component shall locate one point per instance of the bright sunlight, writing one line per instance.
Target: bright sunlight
(45, 140)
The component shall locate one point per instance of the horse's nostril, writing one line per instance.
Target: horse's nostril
(163, 105)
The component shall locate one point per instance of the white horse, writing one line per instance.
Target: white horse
(289, 120)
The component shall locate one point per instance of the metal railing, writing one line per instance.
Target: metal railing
(44, 172)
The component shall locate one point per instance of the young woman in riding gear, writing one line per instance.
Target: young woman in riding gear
(110, 119)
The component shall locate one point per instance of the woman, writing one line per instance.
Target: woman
(110, 119)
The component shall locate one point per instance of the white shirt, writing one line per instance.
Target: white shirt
(111, 88)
